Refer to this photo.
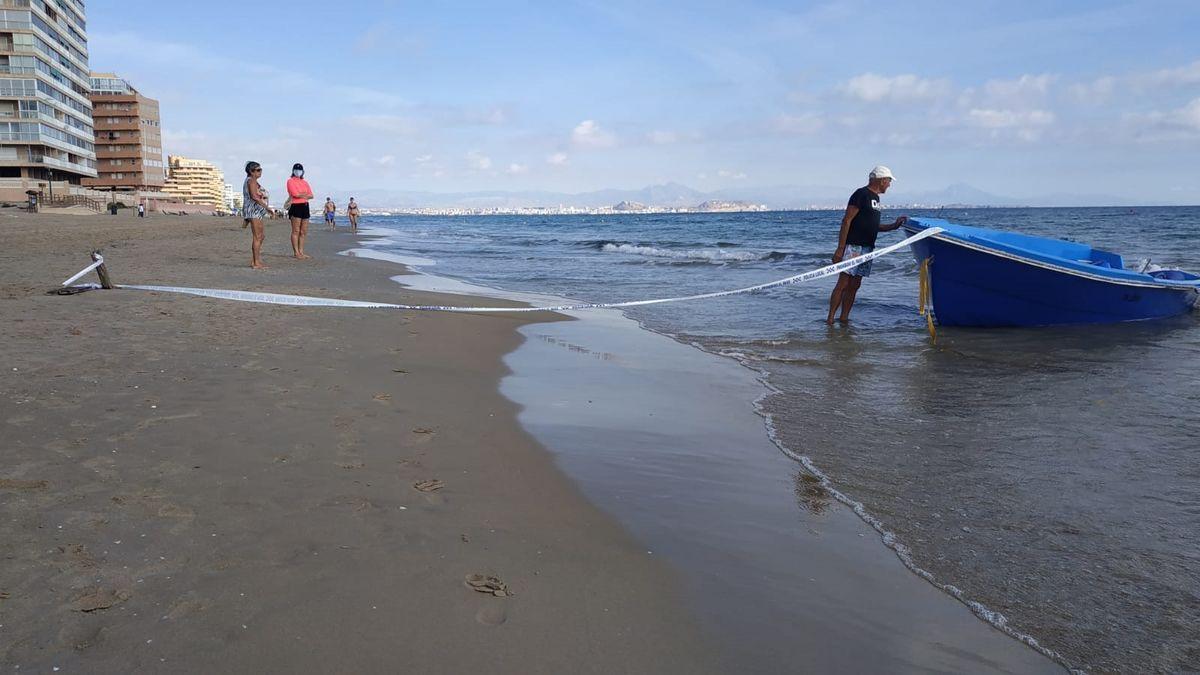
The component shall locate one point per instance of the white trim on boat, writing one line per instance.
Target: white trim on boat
(1067, 270)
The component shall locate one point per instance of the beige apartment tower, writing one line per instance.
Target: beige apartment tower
(129, 156)
(195, 181)
(46, 135)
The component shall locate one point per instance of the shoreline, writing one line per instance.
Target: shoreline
(193, 484)
(603, 341)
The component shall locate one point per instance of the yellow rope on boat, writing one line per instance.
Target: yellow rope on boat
(924, 296)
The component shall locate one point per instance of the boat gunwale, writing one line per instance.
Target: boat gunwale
(1028, 257)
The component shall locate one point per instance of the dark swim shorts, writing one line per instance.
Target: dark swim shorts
(299, 211)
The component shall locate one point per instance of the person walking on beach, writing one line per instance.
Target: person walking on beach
(299, 192)
(330, 212)
(254, 208)
(141, 210)
(352, 212)
(860, 226)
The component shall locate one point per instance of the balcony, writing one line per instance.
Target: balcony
(107, 152)
(55, 163)
(103, 124)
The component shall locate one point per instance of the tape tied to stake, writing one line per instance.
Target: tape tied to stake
(308, 301)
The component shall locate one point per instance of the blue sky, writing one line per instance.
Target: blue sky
(1017, 98)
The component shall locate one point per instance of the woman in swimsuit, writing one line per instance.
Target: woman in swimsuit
(254, 208)
(352, 211)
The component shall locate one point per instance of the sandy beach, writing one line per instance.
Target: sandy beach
(193, 485)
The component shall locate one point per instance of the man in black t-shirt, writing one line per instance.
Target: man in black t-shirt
(860, 226)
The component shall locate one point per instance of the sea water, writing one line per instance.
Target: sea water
(1049, 474)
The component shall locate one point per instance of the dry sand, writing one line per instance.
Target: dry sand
(193, 485)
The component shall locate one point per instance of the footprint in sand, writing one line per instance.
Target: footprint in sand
(491, 585)
(492, 614)
(421, 436)
(350, 465)
(81, 635)
(78, 556)
(149, 422)
(17, 484)
(429, 485)
(188, 603)
(102, 466)
(95, 598)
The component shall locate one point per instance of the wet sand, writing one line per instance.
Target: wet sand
(194, 485)
(664, 436)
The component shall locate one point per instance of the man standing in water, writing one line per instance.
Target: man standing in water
(330, 212)
(860, 226)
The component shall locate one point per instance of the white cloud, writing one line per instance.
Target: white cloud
(874, 88)
(294, 132)
(383, 38)
(479, 161)
(392, 124)
(495, 117)
(801, 125)
(1009, 119)
(386, 160)
(588, 134)
(1158, 125)
(516, 169)
(1011, 92)
(423, 159)
(1189, 115)
(1169, 77)
(735, 175)
(557, 159)
(1097, 91)
(662, 137)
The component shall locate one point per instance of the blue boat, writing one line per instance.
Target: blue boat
(990, 278)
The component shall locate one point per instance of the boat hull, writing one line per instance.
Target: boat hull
(973, 286)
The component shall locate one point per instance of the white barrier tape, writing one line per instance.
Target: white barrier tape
(85, 270)
(308, 301)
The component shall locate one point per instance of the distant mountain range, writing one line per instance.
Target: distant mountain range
(677, 195)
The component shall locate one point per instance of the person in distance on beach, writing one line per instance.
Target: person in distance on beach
(352, 212)
(254, 208)
(860, 226)
(330, 212)
(299, 192)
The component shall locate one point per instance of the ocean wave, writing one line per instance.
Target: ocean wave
(685, 254)
(703, 254)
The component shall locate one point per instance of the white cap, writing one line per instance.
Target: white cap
(882, 171)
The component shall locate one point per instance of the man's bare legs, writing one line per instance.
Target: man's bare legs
(848, 297)
(299, 232)
(843, 296)
(258, 234)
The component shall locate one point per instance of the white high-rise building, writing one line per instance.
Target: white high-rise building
(46, 128)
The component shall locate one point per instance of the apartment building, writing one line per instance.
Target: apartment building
(46, 131)
(195, 181)
(129, 156)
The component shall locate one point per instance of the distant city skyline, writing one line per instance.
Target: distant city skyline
(1095, 98)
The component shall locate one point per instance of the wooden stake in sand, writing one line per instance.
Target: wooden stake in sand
(102, 271)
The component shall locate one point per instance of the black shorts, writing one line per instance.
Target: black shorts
(299, 211)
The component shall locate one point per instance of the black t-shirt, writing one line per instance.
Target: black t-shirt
(865, 226)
